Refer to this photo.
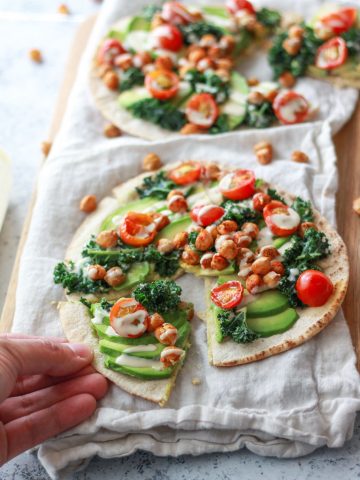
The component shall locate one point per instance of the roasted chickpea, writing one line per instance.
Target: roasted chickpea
(174, 193)
(167, 334)
(45, 148)
(165, 245)
(88, 203)
(35, 55)
(204, 241)
(253, 81)
(107, 239)
(123, 61)
(63, 9)
(270, 96)
(287, 80)
(295, 31)
(253, 282)
(151, 162)
(184, 69)
(242, 239)
(215, 52)
(264, 156)
(212, 229)
(114, 277)
(218, 262)
(190, 257)
(305, 226)
(191, 129)
(155, 321)
(161, 221)
(164, 63)
(96, 272)
(262, 145)
(141, 59)
(157, 21)
(292, 45)
(223, 73)
(111, 80)
(196, 55)
(260, 200)
(277, 267)
(261, 266)
(228, 249)
(177, 203)
(246, 255)
(208, 40)
(250, 229)
(227, 226)
(180, 239)
(171, 356)
(256, 98)
(323, 32)
(205, 64)
(103, 69)
(111, 131)
(205, 260)
(299, 157)
(211, 171)
(227, 43)
(271, 279)
(224, 63)
(259, 29)
(269, 251)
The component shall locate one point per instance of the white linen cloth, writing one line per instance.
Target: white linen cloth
(284, 406)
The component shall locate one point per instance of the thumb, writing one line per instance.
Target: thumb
(39, 356)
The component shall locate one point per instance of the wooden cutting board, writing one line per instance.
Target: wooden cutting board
(347, 144)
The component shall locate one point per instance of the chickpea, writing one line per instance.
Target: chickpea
(180, 239)
(218, 262)
(224, 63)
(228, 249)
(256, 98)
(204, 241)
(269, 251)
(112, 131)
(271, 279)
(227, 226)
(211, 171)
(215, 52)
(356, 205)
(242, 239)
(261, 266)
(177, 203)
(111, 80)
(114, 277)
(212, 229)
(205, 64)
(157, 21)
(253, 81)
(295, 31)
(205, 260)
(151, 162)
(299, 157)
(88, 203)
(196, 55)
(259, 29)
(292, 46)
(195, 228)
(245, 254)
(250, 229)
(141, 59)
(270, 96)
(259, 200)
(103, 70)
(63, 9)
(164, 63)
(124, 61)
(277, 267)
(160, 220)
(244, 270)
(107, 239)
(322, 32)
(264, 156)
(227, 43)
(305, 226)
(45, 148)
(262, 145)
(96, 272)
(167, 334)
(35, 55)
(222, 73)
(149, 67)
(171, 356)
(174, 193)
(190, 129)
(245, 19)
(165, 245)
(190, 257)
(155, 321)
(184, 69)
(208, 40)
(253, 282)
(287, 80)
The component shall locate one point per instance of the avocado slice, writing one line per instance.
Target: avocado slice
(115, 349)
(216, 11)
(236, 106)
(127, 98)
(268, 303)
(280, 241)
(177, 226)
(144, 340)
(138, 23)
(218, 333)
(137, 206)
(273, 324)
(207, 272)
(145, 373)
(137, 273)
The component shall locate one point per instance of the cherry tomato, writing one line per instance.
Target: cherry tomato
(137, 229)
(259, 200)
(314, 288)
(281, 219)
(168, 37)
(332, 54)
(201, 110)
(340, 21)
(187, 172)
(228, 295)
(109, 50)
(129, 327)
(162, 84)
(236, 5)
(291, 107)
(176, 12)
(238, 185)
(205, 215)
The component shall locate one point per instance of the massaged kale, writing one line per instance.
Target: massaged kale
(157, 186)
(260, 116)
(193, 32)
(131, 78)
(77, 281)
(233, 324)
(274, 195)
(208, 82)
(238, 213)
(162, 113)
(149, 11)
(221, 125)
(160, 296)
(304, 209)
(269, 18)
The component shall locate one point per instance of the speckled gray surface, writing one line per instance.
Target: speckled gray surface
(25, 114)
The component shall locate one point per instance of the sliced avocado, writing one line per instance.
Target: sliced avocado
(268, 303)
(136, 205)
(137, 273)
(207, 272)
(127, 98)
(236, 106)
(274, 324)
(177, 226)
(317, 72)
(280, 241)
(144, 340)
(216, 11)
(182, 95)
(177, 318)
(138, 23)
(226, 278)
(239, 83)
(218, 333)
(115, 349)
(183, 334)
(145, 373)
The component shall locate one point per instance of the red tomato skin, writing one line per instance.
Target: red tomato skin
(158, 93)
(234, 6)
(115, 310)
(176, 13)
(189, 177)
(236, 290)
(172, 40)
(340, 21)
(109, 44)
(314, 288)
(131, 224)
(343, 53)
(193, 105)
(276, 230)
(241, 192)
(209, 217)
(283, 99)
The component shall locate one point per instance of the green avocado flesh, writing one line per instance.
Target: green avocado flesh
(176, 226)
(280, 241)
(113, 345)
(137, 273)
(216, 11)
(129, 97)
(207, 272)
(273, 324)
(269, 303)
(135, 206)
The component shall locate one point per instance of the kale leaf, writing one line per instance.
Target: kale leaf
(160, 296)
(73, 281)
(85, 302)
(304, 209)
(233, 324)
(269, 18)
(221, 125)
(352, 39)
(193, 32)
(315, 246)
(149, 11)
(192, 238)
(165, 264)
(157, 186)
(105, 305)
(241, 214)
(208, 82)
(274, 195)
(162, 113)
(132, 77)
(260, 116)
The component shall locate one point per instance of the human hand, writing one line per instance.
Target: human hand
(46, 387)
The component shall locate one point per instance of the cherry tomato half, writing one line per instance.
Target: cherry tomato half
(137, 229)
(340, 21)
(238, 185)
(123, 320)
(314, 288)
(228, 295)
(109, 50)
(281, 219)
(291, 107)
(168, 37)
(176, 13)
(187, 172)
(332, 54)
(234, 6)
(202, 110)
(162, 84)
(205, 215)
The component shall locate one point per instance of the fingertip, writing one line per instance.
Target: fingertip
(81, 350)
(84, 404)
(101, 386)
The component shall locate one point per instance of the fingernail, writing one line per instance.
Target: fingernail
(80, 349)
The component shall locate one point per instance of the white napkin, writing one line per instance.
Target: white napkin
(285, 406)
